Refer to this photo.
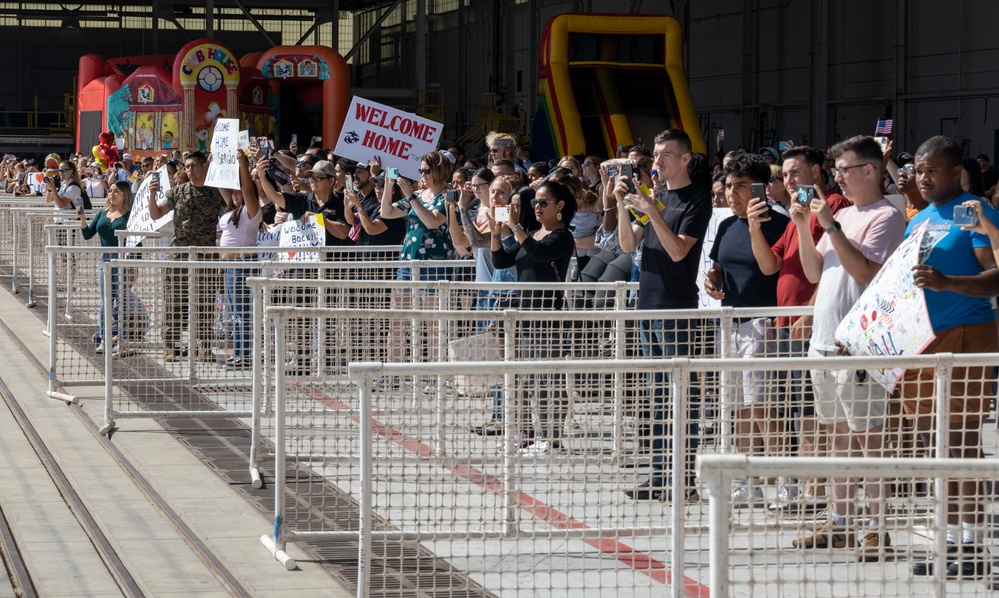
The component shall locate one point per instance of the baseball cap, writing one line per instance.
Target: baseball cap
(357, 165)
(378, 180)
(126, 156)
(767, 150)
(903, 158)
(322, 167)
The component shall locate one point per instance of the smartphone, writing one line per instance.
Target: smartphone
(782, 145)
(294, 138)
(883, 142)
(501, 213)
(451, 196)
(317, 139)
(265, 152)
(392, 173)
(760, 193)
(806, 193)
(348, 181)
(965, 216)
(253, 142)
(405, 204)
(721, 134)
(626, 171)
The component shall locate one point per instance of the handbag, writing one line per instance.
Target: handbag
(487, 346)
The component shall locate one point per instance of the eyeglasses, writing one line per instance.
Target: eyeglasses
(424, 171)
(319, 177)
(842, 171)
(63, 170)
(907, 169)
(585, 164)
(494, 150)
(477, 185)
(774, 179)
(540, 202)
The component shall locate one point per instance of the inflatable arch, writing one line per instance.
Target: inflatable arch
(608, 80)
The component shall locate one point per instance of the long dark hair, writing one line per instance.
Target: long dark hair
(563, 194)
(527, 218)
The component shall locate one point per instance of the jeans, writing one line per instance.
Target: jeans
(667, 339)
(111, 301)
(237, 297)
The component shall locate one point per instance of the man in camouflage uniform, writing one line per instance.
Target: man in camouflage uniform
(196, 211)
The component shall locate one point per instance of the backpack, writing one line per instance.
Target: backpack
(84, 198)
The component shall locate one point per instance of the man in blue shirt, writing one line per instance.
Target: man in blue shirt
(958, 272)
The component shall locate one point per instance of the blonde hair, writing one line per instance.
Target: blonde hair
(504, 140)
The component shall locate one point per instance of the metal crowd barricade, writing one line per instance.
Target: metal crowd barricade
(179, 337)
(377, 330)
(74, 308)
(412, 474)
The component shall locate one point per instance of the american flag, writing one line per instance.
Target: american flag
(884, 127)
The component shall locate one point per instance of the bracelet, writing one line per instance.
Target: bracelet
(608, 210)
(516, 228)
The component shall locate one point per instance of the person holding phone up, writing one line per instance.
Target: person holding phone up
(65, 190)
(114, 217)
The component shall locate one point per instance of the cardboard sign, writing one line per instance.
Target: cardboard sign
(890, 318)
(295, 233)
(36, 181)
(223, 170)
(139, 219)
(399, 138)
(269, 238)
(717, 215)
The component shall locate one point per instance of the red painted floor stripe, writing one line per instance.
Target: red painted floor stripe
(639, 561)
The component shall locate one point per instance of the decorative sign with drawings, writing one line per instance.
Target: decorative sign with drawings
(890, 318)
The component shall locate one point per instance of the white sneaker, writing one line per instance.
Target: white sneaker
(745, 494)
(118, 352)
(786, 493)
(100, 348)
(542, 448)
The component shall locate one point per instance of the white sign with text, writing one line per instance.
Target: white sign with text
(139, 219)
(223, 170)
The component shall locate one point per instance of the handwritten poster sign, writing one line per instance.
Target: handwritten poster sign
(36, 181)
(398, 138)
(890, 318)
(268, 238)
(295, 233)
(139, 219)
(223, 170)
(717, 216)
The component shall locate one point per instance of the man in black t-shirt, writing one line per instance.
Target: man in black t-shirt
(671, 250)
(362, 211)
(736, 280)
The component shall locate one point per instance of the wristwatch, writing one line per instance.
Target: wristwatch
(835, 226)
(516, 228)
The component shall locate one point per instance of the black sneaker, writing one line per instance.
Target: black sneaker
(237, 363)
(972, 563)
(925, 566)
(651, 490)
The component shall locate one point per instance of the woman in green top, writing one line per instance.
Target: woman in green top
(113, 217)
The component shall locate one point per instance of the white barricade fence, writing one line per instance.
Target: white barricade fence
(753, 560)
(182, 329)
(370, 324)
(75, 288)
(402, 453)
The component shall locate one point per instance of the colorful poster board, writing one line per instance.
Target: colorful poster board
(890, 318)
(398, 138)
(308, 234)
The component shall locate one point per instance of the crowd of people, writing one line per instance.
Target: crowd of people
(808, 227)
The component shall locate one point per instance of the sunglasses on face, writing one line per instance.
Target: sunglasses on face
(318, 178)
(300, 163)
(907, 169)
(543, 203)
(424, 171)
(63, 170)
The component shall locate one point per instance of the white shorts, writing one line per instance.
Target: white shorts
(847, 395)
(751, 339)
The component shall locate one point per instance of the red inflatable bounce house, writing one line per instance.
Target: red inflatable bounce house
(155, 104)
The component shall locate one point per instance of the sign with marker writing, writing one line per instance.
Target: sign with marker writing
(398, 138)
(139, 219)
(295, 233)
(223, 170)
(890, 318)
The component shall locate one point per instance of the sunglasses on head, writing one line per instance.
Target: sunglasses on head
(540, 202)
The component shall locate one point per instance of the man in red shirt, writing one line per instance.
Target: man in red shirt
(802, 166)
